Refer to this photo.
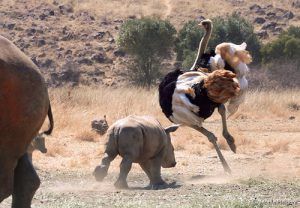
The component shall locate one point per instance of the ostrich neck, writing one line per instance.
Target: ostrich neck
(202, 46)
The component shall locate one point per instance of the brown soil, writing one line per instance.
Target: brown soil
(263, 176)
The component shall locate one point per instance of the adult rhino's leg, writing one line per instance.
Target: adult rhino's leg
(213, 139)
(125, 167)
(30, 156)
(226, 134)
(26, 182)
(6, 177)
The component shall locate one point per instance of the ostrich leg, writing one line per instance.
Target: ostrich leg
(213, 139)
(226, 134)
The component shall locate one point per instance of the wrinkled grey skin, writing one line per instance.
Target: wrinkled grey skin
(38, 143)
(138, 139)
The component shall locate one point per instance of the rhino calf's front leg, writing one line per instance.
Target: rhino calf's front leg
(125, 167)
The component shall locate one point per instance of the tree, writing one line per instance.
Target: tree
(281, 58)
(285, 48)
(148, 41)
(233, 28)
(187, 43)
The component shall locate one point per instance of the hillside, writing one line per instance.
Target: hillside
(75, 41)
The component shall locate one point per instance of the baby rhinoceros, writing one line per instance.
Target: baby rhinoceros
(138, 139)
(100, 126)
(38, 143)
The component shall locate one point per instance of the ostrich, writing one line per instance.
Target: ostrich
(188, 98)
(212, 61)
(229, 56)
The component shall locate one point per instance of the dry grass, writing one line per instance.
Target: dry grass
(278, 145)
(244, 144)
(73, 142)
(89, 136)
(75, 109)
(55, 150)
(269, 104)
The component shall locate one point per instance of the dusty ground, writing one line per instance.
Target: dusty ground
(265, 173)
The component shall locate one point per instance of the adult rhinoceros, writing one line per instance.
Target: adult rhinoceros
(24, 104)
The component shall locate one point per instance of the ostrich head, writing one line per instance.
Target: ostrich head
(207, 24)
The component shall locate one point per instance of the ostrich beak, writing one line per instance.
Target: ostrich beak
(205, 23)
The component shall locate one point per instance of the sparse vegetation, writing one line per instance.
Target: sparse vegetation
(148, 41)
(280, 59)
(285, 48)
(85, 135)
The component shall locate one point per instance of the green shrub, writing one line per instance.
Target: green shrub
(286, 47)
(148, 41)
(188, 40)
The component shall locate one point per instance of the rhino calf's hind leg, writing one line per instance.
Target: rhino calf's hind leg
(101, 171)
(153, 170)
(154, 167)
(124, 170)
(26, 182)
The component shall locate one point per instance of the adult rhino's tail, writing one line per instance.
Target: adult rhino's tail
(51, 125)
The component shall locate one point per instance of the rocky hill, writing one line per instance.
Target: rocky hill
(75, 41)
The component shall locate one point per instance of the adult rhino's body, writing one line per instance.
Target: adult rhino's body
(138, 139)
(24, 104)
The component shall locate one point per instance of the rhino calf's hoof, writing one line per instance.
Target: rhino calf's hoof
(121, 184)
(100, 172)
(157, 186)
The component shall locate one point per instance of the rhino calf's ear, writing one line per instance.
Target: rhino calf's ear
(171, 128)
